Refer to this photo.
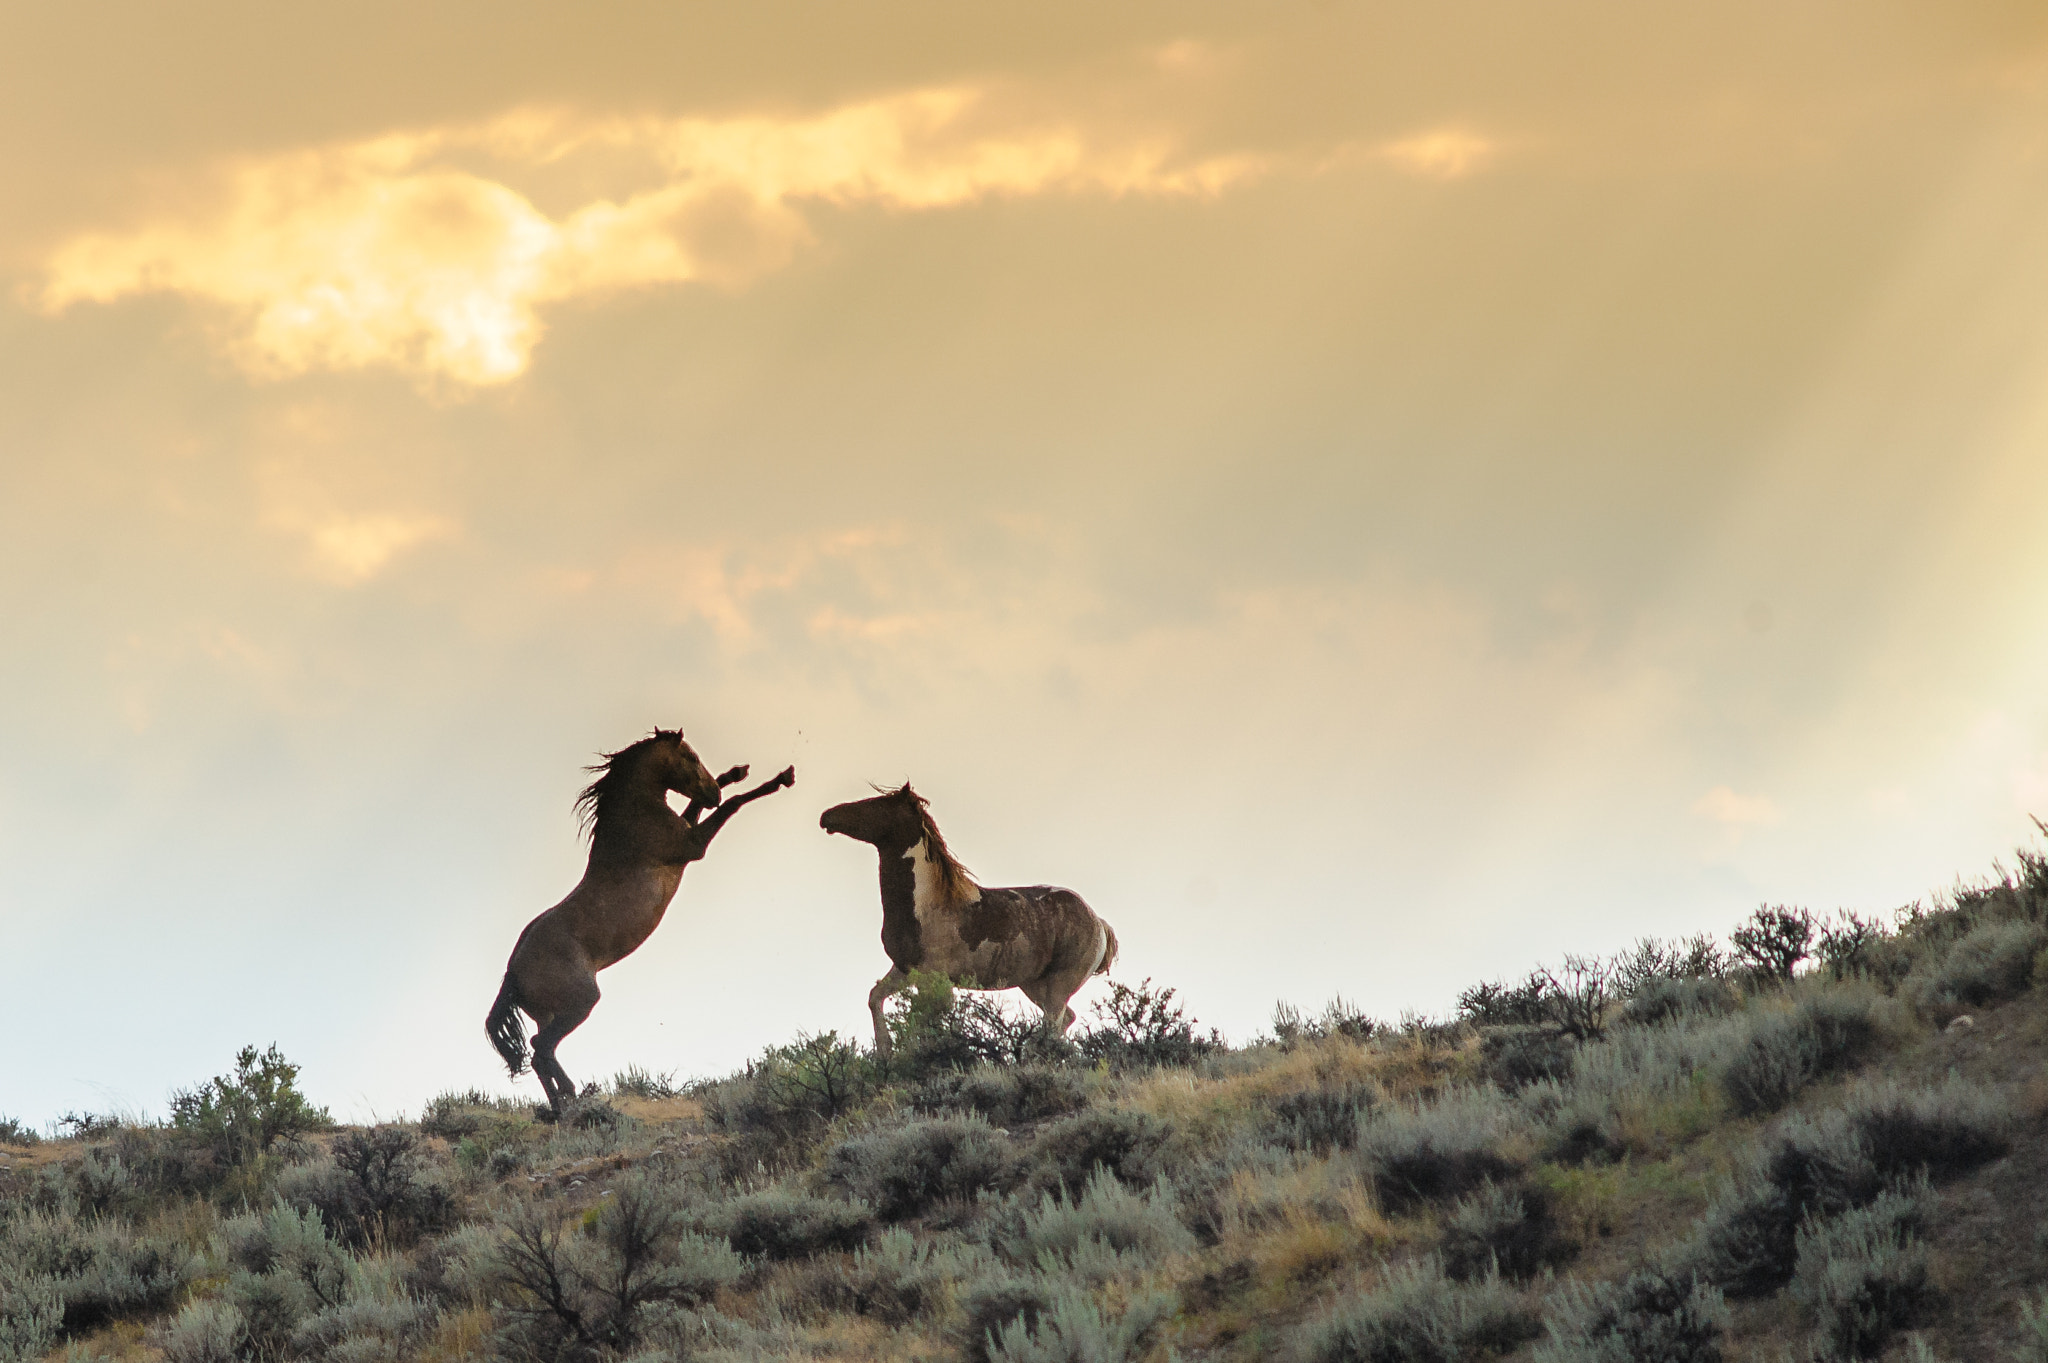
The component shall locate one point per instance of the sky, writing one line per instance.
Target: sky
(1372, 496)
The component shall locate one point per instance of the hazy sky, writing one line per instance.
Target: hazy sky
(1373, 496)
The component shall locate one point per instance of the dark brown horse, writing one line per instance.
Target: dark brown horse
(1038, 938)
(638, 849)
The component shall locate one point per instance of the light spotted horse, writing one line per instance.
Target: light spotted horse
(638, 850)
(1040, 939)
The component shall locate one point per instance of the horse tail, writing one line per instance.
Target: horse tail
(501, 1025)
(1108, 950)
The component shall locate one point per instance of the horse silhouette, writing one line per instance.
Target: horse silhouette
(638, 850)
(1041, 939)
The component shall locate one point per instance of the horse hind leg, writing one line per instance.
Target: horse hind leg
(553, 1078)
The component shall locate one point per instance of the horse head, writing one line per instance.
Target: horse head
(684, 772)
(891, 821)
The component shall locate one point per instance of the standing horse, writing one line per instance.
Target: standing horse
(1041, 939)
(638, 849)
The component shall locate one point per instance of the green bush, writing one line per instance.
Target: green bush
(1748, 1241)
(1824, 1035)
(1505, 1230)
(242, 1115)
(1863, 1275)
(1073, 1328)
(1655, 1316)
(1942, 1131)
(1128, 1143)
(2033, 1342)
(905, 1171)
(1994, 962)
(1499, 1004)
(205, 1332)
(1319, 1119)
(1417, 1315)
(1339, 1018)
(1437, 1152)
(1106, 1230)
(1006, 1095)
(91, 1270)
(1142, 1026)
(779, 1224)
(14, 1132)
(897, 1279)
(782, 1103)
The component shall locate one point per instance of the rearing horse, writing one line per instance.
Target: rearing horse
(1041, 939)
(638, 849)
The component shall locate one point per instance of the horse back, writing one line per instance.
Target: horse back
(1013, 935)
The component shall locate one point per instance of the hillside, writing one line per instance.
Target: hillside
(1825, 1141)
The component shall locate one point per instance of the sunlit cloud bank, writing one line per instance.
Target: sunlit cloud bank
(415, 250)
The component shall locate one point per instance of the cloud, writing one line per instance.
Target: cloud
(416, 251)
(1725, 807)
(1441, 153)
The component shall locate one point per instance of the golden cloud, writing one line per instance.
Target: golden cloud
(1441, 153)
(402, 252)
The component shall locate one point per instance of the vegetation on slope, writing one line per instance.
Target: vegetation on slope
(1792, 1148)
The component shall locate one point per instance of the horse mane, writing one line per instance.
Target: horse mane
(956, 879)
(595, 800)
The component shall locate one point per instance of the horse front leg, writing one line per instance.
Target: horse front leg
(885, 989)
(696, 838)
(732, 777)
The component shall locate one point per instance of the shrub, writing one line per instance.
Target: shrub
(1863, 1275)
(1320, 1119)
(635, 1082)
(1651, 960)
(376, 1187)
(596, 1291)
(787, 1098)
(14, 1132)
(373, 1325)
(1656, 1316)
(1578, 996)
(1073, 1328)
(1126, 1142)
(779, 1224)
(1992, 963)
(1846, 946)
(1105, 1229)
(1773, 941)
(472, 1112)
(300, 1267)
(1005, 1096)
(1748, 1241)
(1504, 1230)
(92, 1271)
(1515, 1057)
(1417, 1315)
(1884, 1136)
(1339, 1018)
(1144, 1026)
(31, 1314)
(896, 1279)
(994, 1304)
(243, 1114)
(1942, 1132)
(1824, 1035)
(1437, 1152)
(2033, 1342)
(204, 1332)
(1497, 1004)
(904, 1171)
(1665, 998)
